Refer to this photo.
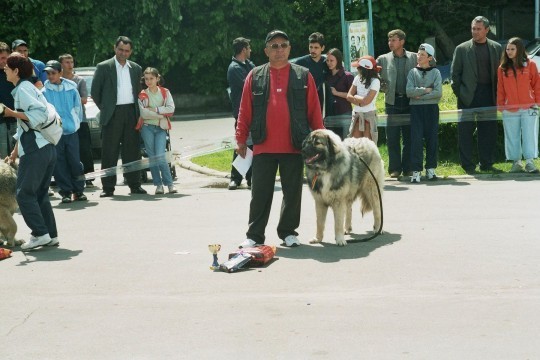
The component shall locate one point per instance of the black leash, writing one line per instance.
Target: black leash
(380, 202)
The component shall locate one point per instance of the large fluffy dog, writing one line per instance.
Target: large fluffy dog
(337, 177)
(8, 203)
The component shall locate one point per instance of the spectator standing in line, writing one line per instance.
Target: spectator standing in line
(474, 82)
(275, 95)
(363, 95)
(395, 67)
(424, 88)
(237, 72)
(63, 94)
(315, 62)
(518, 97)
(115, 90)
(39, 76)
(338, 83)
(8, 125)
(156, 105)
(85, 140)
(36, 155)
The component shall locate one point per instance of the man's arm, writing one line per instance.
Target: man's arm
(456, 71)
(97, 85)
(245, 116)
(314, 114)
(83, 91)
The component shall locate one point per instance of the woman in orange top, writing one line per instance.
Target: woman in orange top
(518, 96)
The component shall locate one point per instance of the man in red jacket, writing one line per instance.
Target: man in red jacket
(279, 106)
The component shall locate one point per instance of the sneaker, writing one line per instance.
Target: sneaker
(79, 197)
(172, 189)
(291, 241)
(51, 192)
(517, 167)
(54, 242)
(159, 190)
(233, 185)
(36, 242)
(66, 199)
(247, 243)
(415, 178)
(430, 173)
(530, 168)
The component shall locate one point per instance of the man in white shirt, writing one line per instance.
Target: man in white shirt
(115, 89)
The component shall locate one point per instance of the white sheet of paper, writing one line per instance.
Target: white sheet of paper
(243, 164)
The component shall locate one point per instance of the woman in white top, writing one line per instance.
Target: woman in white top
(363, 94)
(156, 105)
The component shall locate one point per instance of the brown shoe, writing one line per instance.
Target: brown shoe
(394, 174)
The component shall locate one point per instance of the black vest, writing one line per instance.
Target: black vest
(296, 99)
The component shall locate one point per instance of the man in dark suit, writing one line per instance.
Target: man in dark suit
(115, 90)
(474, 82)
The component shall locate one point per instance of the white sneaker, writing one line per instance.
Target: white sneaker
(36, 242)
(172, 189)
(291, 241)
(159, 190)
(415, 178)
(54, 242)
(530, 168)
(430, 174)
(247, 243)
(517, 167)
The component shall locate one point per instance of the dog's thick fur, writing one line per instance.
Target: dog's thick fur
(337, 177)
(8, 203)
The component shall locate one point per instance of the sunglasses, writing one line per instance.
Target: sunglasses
(276, 46)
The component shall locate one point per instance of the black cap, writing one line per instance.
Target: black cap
(17, 43)
(275, 33)
(53, 65)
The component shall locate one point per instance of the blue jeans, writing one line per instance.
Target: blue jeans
(520, 134)
(155, 142)
(424, 126)
(33, 180)
(398, 159)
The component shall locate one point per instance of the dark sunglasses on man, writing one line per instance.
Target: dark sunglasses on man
(276, 46)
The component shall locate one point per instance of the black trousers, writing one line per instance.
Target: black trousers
(398, 136)
(475, 116)
(118, 134)
(235, 175)
(291, 170)
(85, 148)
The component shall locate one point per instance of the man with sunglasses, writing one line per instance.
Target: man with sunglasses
(279, 106)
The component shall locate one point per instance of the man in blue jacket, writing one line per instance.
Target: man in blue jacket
(63, 94)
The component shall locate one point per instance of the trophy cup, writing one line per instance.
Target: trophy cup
(214, 249)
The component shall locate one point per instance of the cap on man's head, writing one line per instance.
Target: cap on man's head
(18, 43)
(53, 65)
(430, 50)
(274, 34)
(367, 62)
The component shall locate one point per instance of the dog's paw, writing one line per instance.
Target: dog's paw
(341, 242)
(315, 240)
(14, 242)
(348, 231)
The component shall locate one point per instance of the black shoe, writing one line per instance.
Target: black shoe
(79, 197)
(233, 185)
(491, 169)
(138, 190)
(89, 183)
(106, 193)
(66, 199)
(249, 184)
(470, 171)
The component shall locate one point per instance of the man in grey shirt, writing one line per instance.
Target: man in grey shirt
(395, 67)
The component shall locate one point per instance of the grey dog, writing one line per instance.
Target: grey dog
(337, 177)
(8, 203)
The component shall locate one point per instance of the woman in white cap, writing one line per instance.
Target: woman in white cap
(363, 95)
(424, 88)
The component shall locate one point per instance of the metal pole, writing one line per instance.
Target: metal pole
(346, 50)
(536, 18)
(370, 29)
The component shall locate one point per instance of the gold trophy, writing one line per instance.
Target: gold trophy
(214, 249)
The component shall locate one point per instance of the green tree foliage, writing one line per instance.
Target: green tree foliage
(190, 40)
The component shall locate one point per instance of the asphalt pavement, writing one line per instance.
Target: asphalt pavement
(454, 276)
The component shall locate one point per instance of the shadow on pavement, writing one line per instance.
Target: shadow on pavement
(48, 254)
(326, 252)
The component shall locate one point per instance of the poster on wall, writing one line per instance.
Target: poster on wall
(357, 36)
